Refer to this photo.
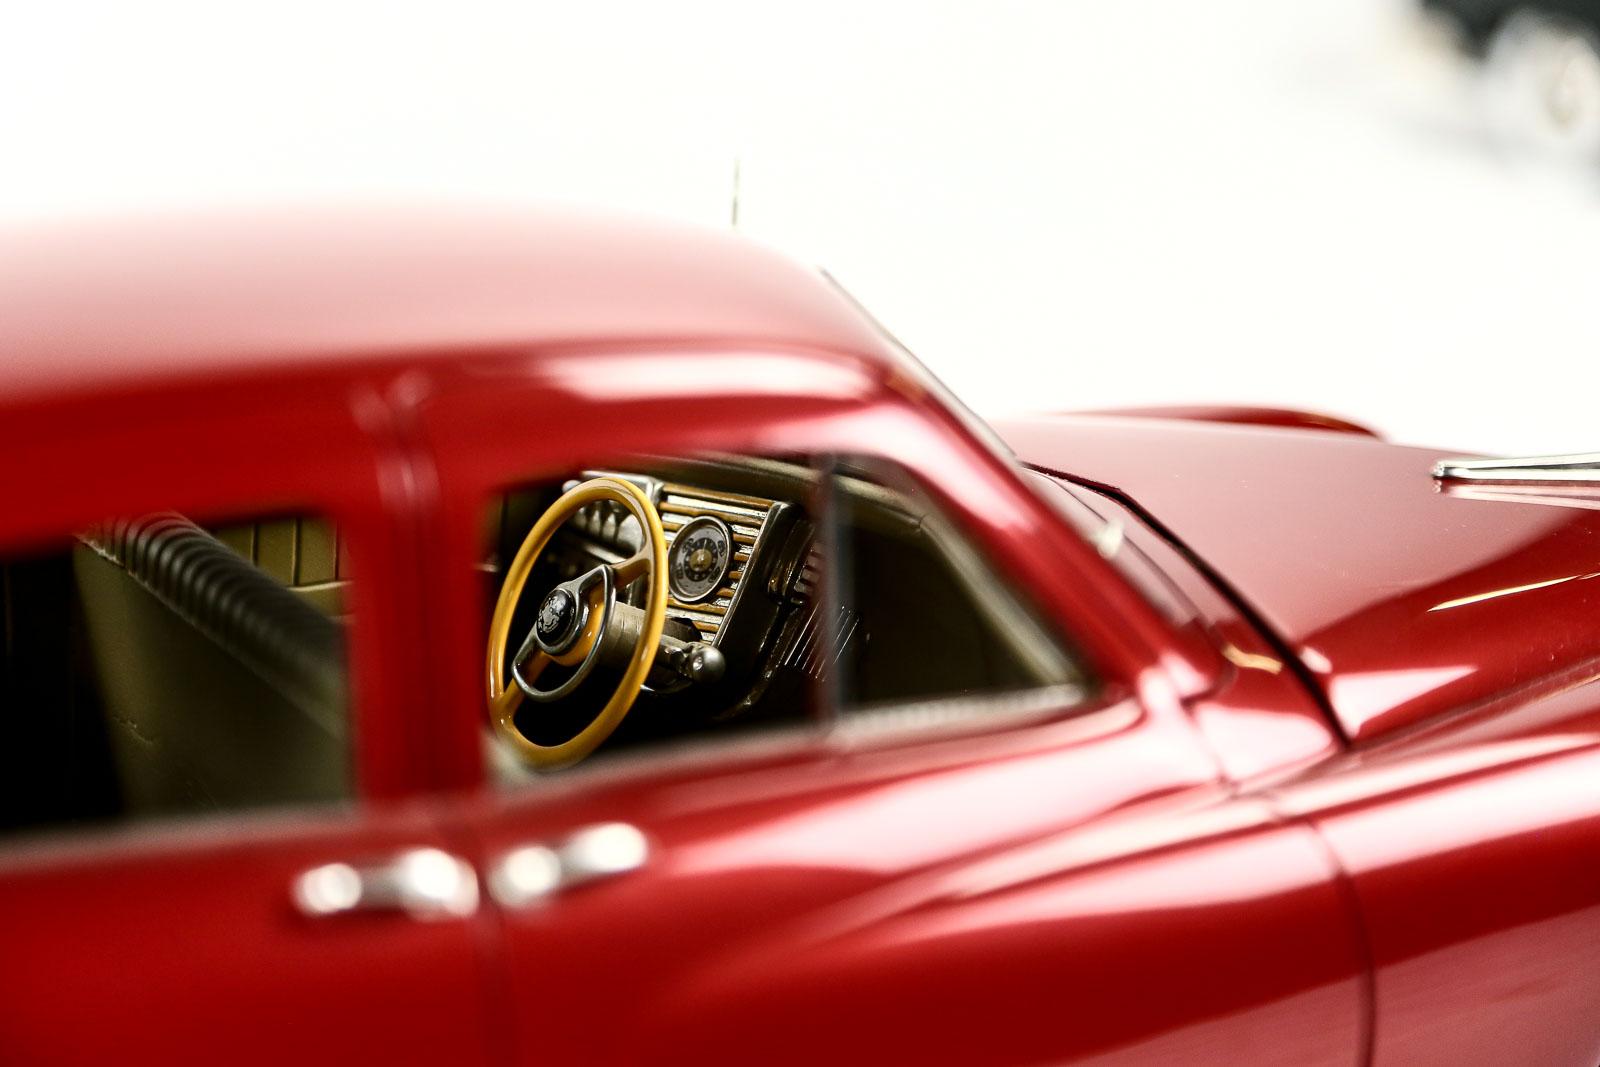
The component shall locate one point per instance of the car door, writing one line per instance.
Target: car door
(1056, 873)
(191, 873)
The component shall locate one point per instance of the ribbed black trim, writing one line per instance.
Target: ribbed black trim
(283, 640)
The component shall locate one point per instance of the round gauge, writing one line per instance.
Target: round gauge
(699, 559)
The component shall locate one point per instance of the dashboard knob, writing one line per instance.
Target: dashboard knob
(704, 663)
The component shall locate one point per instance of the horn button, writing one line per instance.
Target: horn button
(557, 623)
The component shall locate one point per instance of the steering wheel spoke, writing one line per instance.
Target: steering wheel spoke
(503, 706)
(633, 568)
(526, 668)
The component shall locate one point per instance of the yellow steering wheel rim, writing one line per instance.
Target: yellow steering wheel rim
(504, 699)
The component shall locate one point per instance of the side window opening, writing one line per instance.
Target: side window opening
(793, 589)
(740, 597)
(154, 667)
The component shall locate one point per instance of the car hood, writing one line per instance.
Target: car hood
(1403, 599)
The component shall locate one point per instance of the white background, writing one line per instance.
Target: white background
(1057, 205)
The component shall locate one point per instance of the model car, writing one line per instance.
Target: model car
(493, 638)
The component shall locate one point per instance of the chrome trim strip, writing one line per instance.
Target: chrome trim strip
(864, 722)
(678, 503)
(747, 525)
(678, 611)
(1579, 469)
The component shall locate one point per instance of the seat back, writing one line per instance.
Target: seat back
(222, 688)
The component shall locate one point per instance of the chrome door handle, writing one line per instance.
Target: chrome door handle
(534, 873)
(424, 883)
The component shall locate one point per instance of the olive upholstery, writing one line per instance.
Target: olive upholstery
(221, 688)
(304, 554)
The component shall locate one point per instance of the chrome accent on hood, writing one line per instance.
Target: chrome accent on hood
(1580, 469)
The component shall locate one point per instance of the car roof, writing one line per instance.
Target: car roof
(141, 301)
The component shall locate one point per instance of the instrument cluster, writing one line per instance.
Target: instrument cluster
(699, 559)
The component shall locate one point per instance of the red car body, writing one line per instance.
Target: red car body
(1337, 806)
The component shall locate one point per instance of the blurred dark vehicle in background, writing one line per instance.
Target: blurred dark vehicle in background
(1544, 63)
(1479, 20)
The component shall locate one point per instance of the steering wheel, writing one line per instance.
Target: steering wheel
(580, 624)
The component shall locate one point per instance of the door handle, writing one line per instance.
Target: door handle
(534, 873)
(424, 883)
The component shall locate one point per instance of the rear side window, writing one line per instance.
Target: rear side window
(160, 666)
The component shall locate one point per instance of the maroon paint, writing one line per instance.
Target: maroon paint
(1403, 601)
(1198, 868)
(1287, 418)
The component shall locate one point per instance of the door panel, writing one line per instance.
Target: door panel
(168, 941)
(854, 904)
(1231, 947)
(798, 878)
(182, 945)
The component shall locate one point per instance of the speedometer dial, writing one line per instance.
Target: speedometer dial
(699, 559)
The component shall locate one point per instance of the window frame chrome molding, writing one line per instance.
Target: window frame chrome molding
(1582, 469)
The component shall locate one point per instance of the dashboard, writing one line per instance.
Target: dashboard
(742, 576)
(717, 541)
